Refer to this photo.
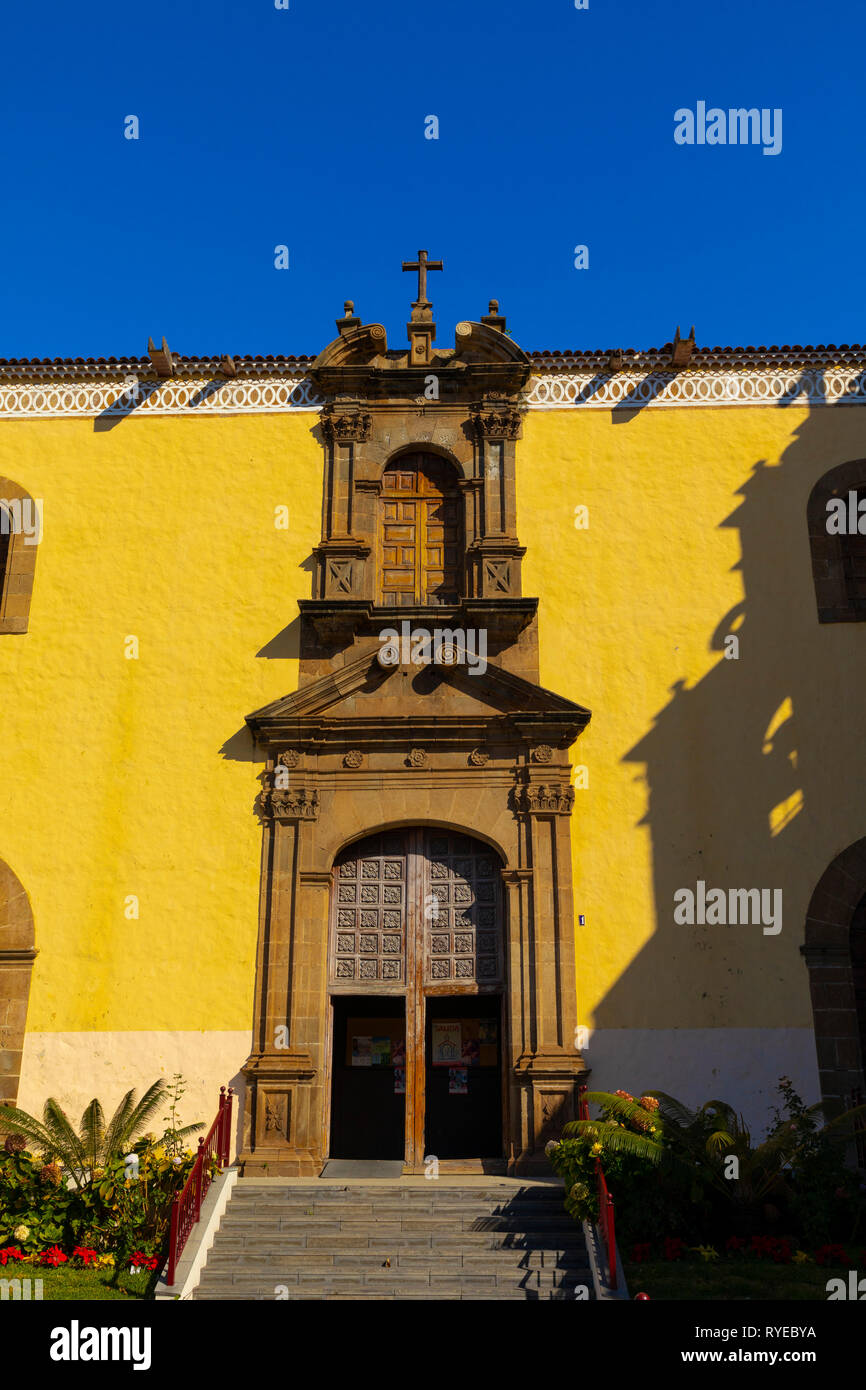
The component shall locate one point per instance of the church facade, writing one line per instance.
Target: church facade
(410, 734)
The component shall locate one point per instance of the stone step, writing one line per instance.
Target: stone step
(375, 1259)
(460, 1221)
(265, 1280)
(394, 1211)
(445, 1244)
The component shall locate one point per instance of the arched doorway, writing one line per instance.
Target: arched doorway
(835, 952)
(416, 975)
(420, 533)
(17, 954)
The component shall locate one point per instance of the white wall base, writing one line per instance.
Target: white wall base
(75, 1067)
(739, 1065)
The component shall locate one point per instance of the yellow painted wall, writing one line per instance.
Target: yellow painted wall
(134, 777)
(692, 513)
(117, 779)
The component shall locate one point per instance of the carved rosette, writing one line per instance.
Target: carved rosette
(290, 758)
(418, 757)
(540, 799)
(353, 759)
(295, 804)
(479, 757)
(340, 427)
(542, 754)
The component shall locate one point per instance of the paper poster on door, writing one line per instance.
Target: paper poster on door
(399, 1081)
(458, 1081)
(381, 1052)
(447, 1043)
(362, 1052)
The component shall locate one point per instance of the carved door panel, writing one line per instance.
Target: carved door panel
(418, 914)
(420, 533)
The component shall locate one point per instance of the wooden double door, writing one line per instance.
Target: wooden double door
(416, 987)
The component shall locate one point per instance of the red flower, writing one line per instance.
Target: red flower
(735, 1243)
(53, 1256)
(85, 1254)
(640, 1253)
(10, 1253)
(831, 1255)
(763, 1245)
(139, 1260)
(673, 1248)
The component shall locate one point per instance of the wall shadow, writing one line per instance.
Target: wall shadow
(752, 774)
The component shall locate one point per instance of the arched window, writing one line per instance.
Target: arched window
(837, 538)
(420, 533)
(20, 528)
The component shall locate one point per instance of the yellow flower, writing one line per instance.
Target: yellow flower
(706, 1252)
(21, 1232)
(801, 1258)
(596, 1149)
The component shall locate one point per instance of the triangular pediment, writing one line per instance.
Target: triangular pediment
(363, 695)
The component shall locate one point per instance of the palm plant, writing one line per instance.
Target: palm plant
(96, 1143)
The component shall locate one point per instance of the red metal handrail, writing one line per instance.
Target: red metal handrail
(605, 1201)
(850, 1102)
(186, 1207)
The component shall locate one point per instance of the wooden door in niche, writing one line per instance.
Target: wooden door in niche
(420, 533)
(417, 914)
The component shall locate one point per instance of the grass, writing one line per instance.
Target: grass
(735, 1280)
(85, 1285)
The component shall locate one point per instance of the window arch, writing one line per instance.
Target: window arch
(836, 511)
(420, 533)
(20, 529)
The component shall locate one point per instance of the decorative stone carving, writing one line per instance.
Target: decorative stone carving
(479, 757)
(346, 428)
(497, 575)
(501, 423)
(542, 799)
(275, 1114)
(339, 577)
(297, 804)
(354, 758)
(290, 758)
(543, 753)
(418, 757)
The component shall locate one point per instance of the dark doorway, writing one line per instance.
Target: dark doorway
(368, 1104)
(464, 1076)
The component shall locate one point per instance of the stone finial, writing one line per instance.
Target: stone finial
(493, 319)
(349, 321)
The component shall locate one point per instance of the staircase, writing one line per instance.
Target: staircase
(414, 1239)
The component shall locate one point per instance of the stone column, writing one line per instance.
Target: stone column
(281, 1133)
(549, 1066)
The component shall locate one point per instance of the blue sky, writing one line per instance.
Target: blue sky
(305, 127)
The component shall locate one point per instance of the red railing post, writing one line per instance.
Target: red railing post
(172, 1241)
(186, 1207)
(611, 1242)
(198, 1169)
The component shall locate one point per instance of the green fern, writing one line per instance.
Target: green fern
(96, 1144)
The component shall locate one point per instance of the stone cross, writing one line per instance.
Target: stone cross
(422, 265)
